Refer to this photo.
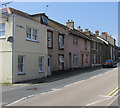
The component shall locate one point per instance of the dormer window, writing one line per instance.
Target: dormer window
(44, 20)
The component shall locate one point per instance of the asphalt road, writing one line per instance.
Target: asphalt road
(85, 89)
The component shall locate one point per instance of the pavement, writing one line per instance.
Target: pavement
(60, 75)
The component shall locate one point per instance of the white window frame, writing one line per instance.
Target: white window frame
(41, 63)
(32, 35)
(21, 64)
(2, 30)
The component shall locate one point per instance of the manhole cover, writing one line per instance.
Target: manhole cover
(31, 89)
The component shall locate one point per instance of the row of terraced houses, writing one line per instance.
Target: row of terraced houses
(35, 46)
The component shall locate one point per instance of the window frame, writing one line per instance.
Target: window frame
(75, 59)
(49, 31)
(39, 64)
(61, 63)
(2, 30)
(75, 41)
(32, 34)
(23, 65)
(85, 44)
(59, 41)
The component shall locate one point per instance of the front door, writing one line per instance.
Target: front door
(82, 62)
(49, 65)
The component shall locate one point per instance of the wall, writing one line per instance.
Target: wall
(6, 52)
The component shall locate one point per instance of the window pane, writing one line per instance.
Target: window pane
(61, 41)
(20, 63)
(28, 31)
(41, 63)
(2, 29)
(50, 41)
(2, 26)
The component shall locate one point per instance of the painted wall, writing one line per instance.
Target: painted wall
(29, 49)
(6, 52)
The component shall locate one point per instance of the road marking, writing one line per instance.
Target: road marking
(104, 96)
(98, 101)
(112, 101)
(114, 92)
(16, 101)
(56, 89)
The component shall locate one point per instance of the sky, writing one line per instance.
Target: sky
(102, 16)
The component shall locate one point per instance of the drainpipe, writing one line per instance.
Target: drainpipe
(13, 45)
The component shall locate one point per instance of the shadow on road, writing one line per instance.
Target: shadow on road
(62, 75)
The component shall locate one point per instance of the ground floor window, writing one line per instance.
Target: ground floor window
(61, 62)
(20, 64)
(75, 59)
(41, 64)
(86, 58)
(94, 58)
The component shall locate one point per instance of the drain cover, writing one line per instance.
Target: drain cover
(31, 89)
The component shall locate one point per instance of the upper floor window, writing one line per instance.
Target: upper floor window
(2, 30)
(50, 39)
(32, 34)
(75, 41)
(93, 45)
(85, 44)
(61, 41)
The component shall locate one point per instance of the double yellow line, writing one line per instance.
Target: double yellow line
(114, 92)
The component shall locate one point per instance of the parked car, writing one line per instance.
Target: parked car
(110, 63)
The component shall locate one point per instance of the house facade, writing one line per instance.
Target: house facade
(24, 47)
(112, 48)
(35, 46)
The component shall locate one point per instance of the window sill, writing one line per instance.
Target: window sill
(61, 48)
(21, 74)
(41, 71)
(2, 37)
(32, 40)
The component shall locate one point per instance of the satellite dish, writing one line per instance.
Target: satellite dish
(10, 39)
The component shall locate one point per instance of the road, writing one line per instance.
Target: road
(86, 89)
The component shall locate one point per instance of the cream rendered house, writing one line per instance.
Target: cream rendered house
(23, 47)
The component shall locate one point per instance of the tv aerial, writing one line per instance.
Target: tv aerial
(6, 3)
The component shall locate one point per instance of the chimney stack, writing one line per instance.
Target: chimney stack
(70, 24)
(87, 32)
(97, 33)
